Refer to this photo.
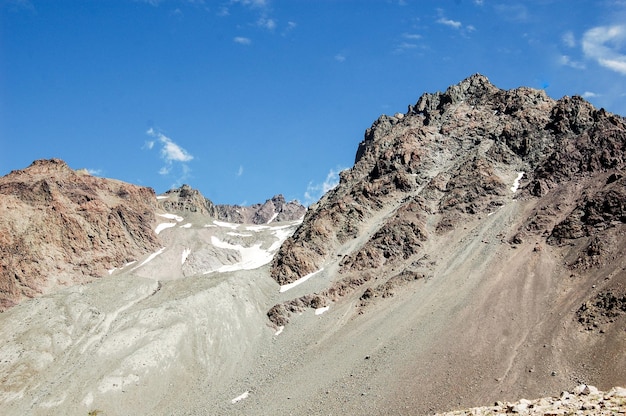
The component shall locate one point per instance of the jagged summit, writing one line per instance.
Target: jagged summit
(275, 209)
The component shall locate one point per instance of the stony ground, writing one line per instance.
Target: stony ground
(583, 400)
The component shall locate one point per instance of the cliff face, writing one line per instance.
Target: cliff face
(59, 227)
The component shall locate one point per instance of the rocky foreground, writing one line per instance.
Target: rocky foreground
(583, 400)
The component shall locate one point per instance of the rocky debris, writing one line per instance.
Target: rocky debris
(59, 227)
(582, 400)
(603, 309)
(188, 200)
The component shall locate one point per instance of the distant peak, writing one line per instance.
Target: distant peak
(53, 163)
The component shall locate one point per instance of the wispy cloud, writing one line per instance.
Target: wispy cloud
(171, 153)
(602, 44)
(290, 26)
(240, 170)
(589, 94)
(266, 23)
(94, 172)
(253, 3)
(340, 57)
(314, 191)
(449, 22)
(568, 39)
(567, 61)
(242, 40)
(453, 24)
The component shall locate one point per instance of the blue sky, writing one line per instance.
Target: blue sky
(245, 99)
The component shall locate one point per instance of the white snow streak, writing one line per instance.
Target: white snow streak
(242, 396)
(162, 196)
(301, 280)
(186, 253)
(273, 217)
(257, 227)
(279, 331)
(320, 311)
(163, 226)
(515, 186)
(188, 225)
(171, 217)
(226, 224)
(150, 257)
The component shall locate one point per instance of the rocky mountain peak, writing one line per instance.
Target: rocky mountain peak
(455, 156)
(59, 226)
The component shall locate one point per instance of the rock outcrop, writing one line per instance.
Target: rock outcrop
(188, 200)
(60, 227)
(583, 400)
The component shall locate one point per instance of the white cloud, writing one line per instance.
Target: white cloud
(242, 40)
(478, 2)
(567, 61)
(568, 39)
(253, 3)
(314, 191)
(449, 22)
(170, 153)
(603, 44)
(269, 24)
(240, 171)
(589, 94)
(340, 57)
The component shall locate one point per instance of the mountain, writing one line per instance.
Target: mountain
(59, 227)
(187, 199)
(473, 253)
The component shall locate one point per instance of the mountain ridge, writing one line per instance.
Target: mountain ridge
(474, 252)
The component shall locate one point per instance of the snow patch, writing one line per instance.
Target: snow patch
(162, 196)
(515, 186)
(163, 226)
(320, 311)
(273, 217)
(279, 330)
(239, 398)
(226, 224)
(251, 257)
(171, 217)
(257, 227)
(188, 225)
(150, 257)
(301, 280)
(186, 253)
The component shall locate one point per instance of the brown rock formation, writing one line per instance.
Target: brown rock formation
(188, 200)
(59, 227)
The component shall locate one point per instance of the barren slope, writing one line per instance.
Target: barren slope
(435, 277)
